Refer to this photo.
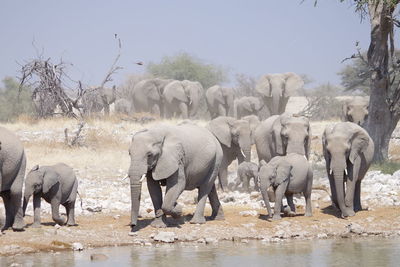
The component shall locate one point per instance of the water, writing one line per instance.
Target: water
(344, 252)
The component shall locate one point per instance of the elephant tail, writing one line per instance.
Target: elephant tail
(80, 199)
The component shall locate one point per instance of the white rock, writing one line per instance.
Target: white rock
(322, 236)
(210, 240)
(248, 213)
(77, 246)
(166, 237)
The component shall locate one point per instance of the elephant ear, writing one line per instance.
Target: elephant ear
(282, 172)
(175, 90)
(264, 86)
(151, 90)
(221, 128)
(169, 160)
(293, 83)
(50, 179)
(247, 105)
(219, 95)
(359, 143)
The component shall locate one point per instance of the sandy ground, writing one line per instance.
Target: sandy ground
(102, 161)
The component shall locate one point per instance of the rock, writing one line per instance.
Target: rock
(116, 217)
(228, 199)
(57, 226)
(355, 228)
(279, 234)
(95, 209)
(77, 246)
(210, 240)
(132, 233)
(98, 257)
(166, 237)
(201, 240)
(244, 241)
(148, 244)
(248, 213)
(248, 225)
(15, 264)
(322, 236)
(254, 195)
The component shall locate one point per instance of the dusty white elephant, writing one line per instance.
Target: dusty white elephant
(220, 101)
(355, 110)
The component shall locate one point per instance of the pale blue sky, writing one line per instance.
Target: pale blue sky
(251, 37)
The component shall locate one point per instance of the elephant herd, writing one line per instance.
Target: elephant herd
(187, 156)
(172, 98)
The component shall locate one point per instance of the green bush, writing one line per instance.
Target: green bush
(12, 102)
(386, 167)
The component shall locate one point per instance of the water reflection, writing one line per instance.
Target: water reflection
(347, 252)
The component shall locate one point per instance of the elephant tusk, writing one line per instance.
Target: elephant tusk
(305, 157)
(126, 176)
(142, 178)
(345, 171)
(241, 150)
(331, 172)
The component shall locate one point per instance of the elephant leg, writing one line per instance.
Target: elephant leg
(279, 193)
(256, 187)
(290, 202)
(349, 196)
(36, 210)
(198, 216)
(223, 175)
(175, 186)
(55, 211)
(156, 110)
(246, 184)
(70, 208)
(8, 207)
(156, 197)
(17, 217)
(307, 196)
(357, 197)
(183, 108)
(217, 212)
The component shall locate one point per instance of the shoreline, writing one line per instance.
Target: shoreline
(110, 229)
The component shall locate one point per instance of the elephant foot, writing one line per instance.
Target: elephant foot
(348, 213)
(198, 220)
(276, 217)
(176, 212)
(291, 214)
(18, 226)
(59, 221)
(69, 224)
(36, 225)
(159, 222)
(218, 217)
(308, 214)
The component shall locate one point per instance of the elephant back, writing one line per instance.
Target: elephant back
(175, 90)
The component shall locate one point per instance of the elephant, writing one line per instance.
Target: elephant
(277, 88)
(12, 172)
(182, 157)
(123, 106)
(98, 99)
(247, 105)
(58, 185)
(245, 172)
(287, 175)
(282, 134)
(235, 139)
(254, 121)
(348, 152)
(355, 110)
(220, 101)
(147, 96)
(183, 98)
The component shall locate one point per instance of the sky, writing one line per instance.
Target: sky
(250, 37)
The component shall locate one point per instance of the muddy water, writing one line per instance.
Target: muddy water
(344, 252)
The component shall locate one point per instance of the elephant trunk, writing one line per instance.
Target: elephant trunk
(136, 175)
(230, 107)
(25, 204)
(264, 192)
(276, 97)
(339, 184)
(245, 148)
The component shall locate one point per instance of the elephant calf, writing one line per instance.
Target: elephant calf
(57, 184)
(287, 175)
(247, 171)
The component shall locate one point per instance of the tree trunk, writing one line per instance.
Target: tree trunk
(381, 121)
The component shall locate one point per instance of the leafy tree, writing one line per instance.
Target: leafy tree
(12, 102)
(184, 66)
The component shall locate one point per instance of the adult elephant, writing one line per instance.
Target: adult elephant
(282, 134)
(348, 152)
(123, 106)
(247, 105)
(355, 110)
(277, 88)
(182, 157)
(182, 98)
(254, 121)
(99, 99)
(220, 101)
(147, 95)
(235, 139)
(12, 172)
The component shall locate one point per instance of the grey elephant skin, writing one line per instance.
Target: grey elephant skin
(183, 157)
(254, 121)
(147, 96)
(282, 134)
(355, 110)
(247, 105)
(182, 98)
(57, 185)
(287, 175)
(277, 88)
(235, 139)
(123, 106)
(348, 152)
(12, 172)
(220, 101)
(97, 100)
(245, 172)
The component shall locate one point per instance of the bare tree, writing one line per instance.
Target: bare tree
(245, 85)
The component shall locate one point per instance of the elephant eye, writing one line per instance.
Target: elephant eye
(149, 154)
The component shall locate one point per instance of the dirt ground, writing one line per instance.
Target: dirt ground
(100, 229)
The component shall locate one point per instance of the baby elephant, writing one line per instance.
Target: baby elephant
(57, 184)
(247, 171)
(287, 175)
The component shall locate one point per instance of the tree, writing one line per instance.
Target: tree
(245, 85)
(384, 107)
(12, 103)
(184, 66)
